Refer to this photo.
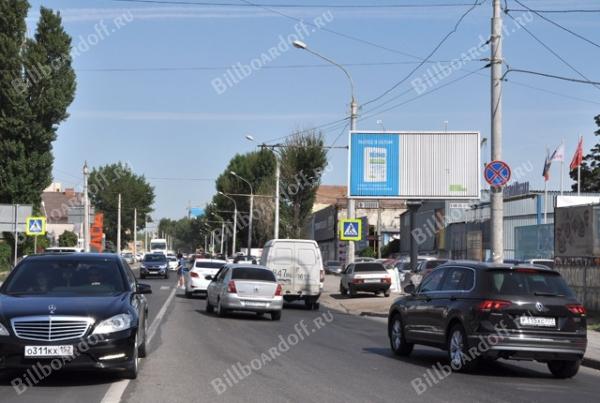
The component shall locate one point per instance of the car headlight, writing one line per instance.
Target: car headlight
(3, 330)
(115, 324)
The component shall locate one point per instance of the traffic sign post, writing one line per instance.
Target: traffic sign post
(351, 230)
(497, 173)
(36, 226)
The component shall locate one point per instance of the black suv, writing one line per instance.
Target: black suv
(474, 310)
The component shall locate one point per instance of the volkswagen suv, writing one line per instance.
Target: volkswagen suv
(475, 310)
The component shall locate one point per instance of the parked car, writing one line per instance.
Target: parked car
(333, 267)
(427, 266)
(244, 288)
(128, 257)
(173, 262)
(50, 305)
(195, 278)
(363, 259)
(530, 311)
(299, 269)
(365, 277)
(154, 264)
(245, 259)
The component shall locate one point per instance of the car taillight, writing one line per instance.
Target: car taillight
(322, 275)
(387, 280)
(231, 287)
(278, 290)
(493, 305)
(194, 274)
(577, 309)
(358, 281)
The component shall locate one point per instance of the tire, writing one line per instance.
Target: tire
(564, 369)
(166, 275)
(458, 350)
(398, 343)
(276, 315)
(343, 291)
(386, 293)
(260, 314)
(352, 292)
(209, 308)
(221, 312)
(132, 369)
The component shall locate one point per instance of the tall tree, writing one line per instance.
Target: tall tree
(37, 85)
(105, 184)
(590, 168)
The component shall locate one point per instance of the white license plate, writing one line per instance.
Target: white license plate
(372, 280)
(48, 351)
(256, 304)
(537, 321)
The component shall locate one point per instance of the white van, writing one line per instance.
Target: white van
(298, 266)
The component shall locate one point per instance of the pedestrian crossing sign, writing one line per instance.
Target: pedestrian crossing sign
(36, 226)
(351, 230)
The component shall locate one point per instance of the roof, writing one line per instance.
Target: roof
(74, 256)
(329, 194)
(489, 265)
(57, 205)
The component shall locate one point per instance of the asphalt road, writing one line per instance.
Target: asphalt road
(326, 357)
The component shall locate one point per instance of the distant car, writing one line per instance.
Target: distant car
(173, 262)
(364, 259)
(195, 278)
(154, 264)
(245, 259)
(64, 249)
(549, 263)
(427, 266)
(128, 257)
(333, 267)
(529, 312)
(244, 288)
(365, 277)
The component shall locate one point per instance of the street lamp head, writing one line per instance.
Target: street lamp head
(249, 137)
(299, 44)
(233, 173)
(221, 193)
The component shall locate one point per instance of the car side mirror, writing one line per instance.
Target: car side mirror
(143, 289)
(410, 289)
(208, 277)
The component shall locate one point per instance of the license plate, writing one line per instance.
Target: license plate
(48, 351)
(372, 280)
(256, 304)
(537, 321)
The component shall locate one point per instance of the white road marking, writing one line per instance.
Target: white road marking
(165, 287)
(116, 390)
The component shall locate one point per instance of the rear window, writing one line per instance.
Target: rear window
(209, 265)
(527, 282)
(250, 273)
(368, 267)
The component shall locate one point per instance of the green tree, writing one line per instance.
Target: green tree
(590, 168)
(37, 85)
(105, 184)
(68, 239)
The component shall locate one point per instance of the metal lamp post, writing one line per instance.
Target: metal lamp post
(251, 210)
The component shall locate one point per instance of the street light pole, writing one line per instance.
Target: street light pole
(119, 226)
(86, 209)
(353, 118)
(235, 213)
(251, 211)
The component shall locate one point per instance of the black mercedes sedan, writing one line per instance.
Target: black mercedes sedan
(478, 310)
(73, 311)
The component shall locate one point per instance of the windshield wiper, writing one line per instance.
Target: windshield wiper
(547, 294)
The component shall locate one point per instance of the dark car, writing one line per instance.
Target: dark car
(154, 264)
(475, 310)
(73, 311)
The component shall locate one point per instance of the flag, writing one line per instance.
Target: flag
(559, 153)
(547, 165)
(578, 157)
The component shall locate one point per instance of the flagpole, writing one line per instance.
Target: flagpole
(545, 202)
(579, 180)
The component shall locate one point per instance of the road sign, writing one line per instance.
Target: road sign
(36, 226)
(351, 230)
(414, 165)
(497, 173)
(7, 217)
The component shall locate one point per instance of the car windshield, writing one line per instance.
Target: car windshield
(249, 273)
(155, 258)
(209, 265)
(172, 259)
(66, 277)
(528, 282)
(368, 267)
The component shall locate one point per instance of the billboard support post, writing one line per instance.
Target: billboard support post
(16, 232)
(413, 207)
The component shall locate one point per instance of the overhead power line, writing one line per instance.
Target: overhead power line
(537, 73)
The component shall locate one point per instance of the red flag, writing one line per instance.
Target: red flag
(578, 157)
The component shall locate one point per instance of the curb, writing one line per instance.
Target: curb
(591, 363)
(374, 314)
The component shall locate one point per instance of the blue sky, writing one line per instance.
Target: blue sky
(171, 123)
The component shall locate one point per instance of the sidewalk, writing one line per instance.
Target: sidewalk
(367, 305)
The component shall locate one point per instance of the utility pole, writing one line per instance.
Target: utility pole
(119, 226)
(16, 233)
(86, 209)
(134, 231)
(378, 230)
(146, 233)
(222, 235)
(277, 195)
(496, 63)
(351, 201)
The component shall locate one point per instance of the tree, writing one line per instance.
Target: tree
(105, 184)
(303, 161)
(68, 239)
(590, 168)
(37, 85)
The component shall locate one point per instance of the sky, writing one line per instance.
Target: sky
(152, 83)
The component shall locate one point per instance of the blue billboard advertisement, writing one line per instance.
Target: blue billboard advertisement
(374, 164)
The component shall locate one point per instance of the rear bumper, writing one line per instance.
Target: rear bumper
(530, 347)
(197, 285)
(371, 287)
(236, 303)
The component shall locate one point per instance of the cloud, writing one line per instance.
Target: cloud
(193, 116)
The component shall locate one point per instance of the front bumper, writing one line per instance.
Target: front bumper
(152, 271)
(93, 353)
(530, 347)
(236, 303)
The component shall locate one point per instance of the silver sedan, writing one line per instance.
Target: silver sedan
(244, 288)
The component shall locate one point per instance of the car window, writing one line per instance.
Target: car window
(432, 281)
(368, 267)
(458, 279)
(209, 265)
(527, 282)
(155, 258)
(130, 276)
(221, 274)
(250, 273)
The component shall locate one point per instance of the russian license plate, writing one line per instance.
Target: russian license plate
(372, 280)
(537, 321)
(48, 351)
(255, 304)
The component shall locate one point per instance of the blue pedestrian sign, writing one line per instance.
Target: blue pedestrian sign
(36, 226)
(497, 173)
(351, 230)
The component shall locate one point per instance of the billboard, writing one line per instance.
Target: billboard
(7, 217)
(414, 165)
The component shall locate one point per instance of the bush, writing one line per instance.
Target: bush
(68, 239)
(367, 252)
